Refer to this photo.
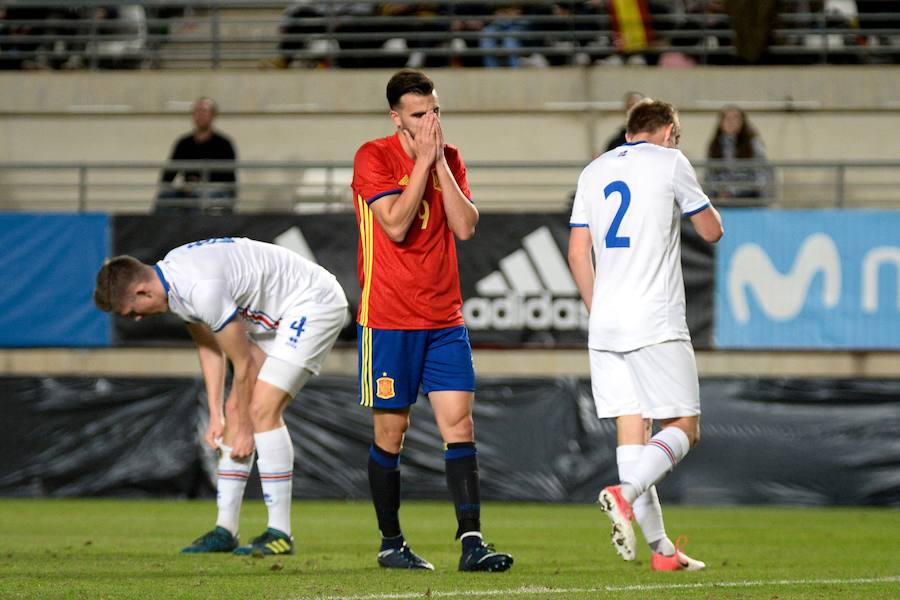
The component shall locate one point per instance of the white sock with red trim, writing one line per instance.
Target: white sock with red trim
(231, 479)
(276, 472)
(659, 457)
(647, 510)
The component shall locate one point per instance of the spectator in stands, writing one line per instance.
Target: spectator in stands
(20, 29)
(630, 99)
(429, 19)
(508, 19)
(733, 141)
(299, 32)
(876, 20)
(468, 21)
(752, 22)
(120, 36)
(212, 189)
(560, 33)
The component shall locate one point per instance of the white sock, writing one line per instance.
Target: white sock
(231, 479)
(647, 511)
(275, 459)
(659, 457)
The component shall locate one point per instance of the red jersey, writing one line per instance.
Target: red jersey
(413, 284)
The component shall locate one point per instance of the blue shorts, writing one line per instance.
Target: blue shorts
(393, 363)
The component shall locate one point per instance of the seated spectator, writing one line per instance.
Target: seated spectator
(560, 33)
(21, 29)
(375, 35)
(631, 98)
(211, 189)
(429, 18)
(508, 19)
(302, 29)
(121, 37)
(468, 22)
(735, 140)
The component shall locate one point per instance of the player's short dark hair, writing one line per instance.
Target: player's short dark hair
(114, 278)
(408, 81)
(649, 115)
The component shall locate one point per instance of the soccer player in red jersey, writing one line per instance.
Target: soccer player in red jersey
(412, 198)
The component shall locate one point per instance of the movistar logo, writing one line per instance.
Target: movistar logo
(782, 297)
(872, 263)
(532, 288)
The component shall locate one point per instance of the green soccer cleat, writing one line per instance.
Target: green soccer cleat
(217, 540)
(269, 543)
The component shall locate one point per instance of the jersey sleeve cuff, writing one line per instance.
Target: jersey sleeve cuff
(383, 194)
(696, 210)
(573, 225)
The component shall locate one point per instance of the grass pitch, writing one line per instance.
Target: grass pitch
(129, 549)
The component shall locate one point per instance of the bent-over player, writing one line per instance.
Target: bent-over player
(275, 316)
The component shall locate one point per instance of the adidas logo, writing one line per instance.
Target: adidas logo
(532, 289)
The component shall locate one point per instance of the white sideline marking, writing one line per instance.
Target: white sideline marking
(534, 590)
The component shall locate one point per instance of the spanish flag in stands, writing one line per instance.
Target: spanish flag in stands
(631, 18)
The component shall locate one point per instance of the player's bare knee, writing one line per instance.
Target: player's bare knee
(389, 440)
(689, 425)
(466, 428)
(389, 432)
(264, 415)
(692, 431)
(462, 430)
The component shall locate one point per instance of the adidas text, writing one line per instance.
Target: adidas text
(512, 311)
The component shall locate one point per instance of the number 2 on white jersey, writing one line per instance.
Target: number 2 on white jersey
(612, 240)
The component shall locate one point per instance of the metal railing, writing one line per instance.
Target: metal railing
(497, 186)
(332, 33)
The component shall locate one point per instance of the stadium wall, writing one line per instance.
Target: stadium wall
(816, 113)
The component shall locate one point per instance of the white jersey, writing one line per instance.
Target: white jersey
(632, 198)
(213, 281)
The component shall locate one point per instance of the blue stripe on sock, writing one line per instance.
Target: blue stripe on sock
(385, 462)
(452, 453)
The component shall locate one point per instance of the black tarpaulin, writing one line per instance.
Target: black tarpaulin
(802, 442)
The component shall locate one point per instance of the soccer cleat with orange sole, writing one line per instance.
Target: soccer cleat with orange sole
(678, 561)
(620, 514)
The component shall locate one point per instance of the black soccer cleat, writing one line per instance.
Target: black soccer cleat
(402, 558)
(483, 557)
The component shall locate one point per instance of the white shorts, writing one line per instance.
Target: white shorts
(657, 381)
(302, 340)
(283, 375)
